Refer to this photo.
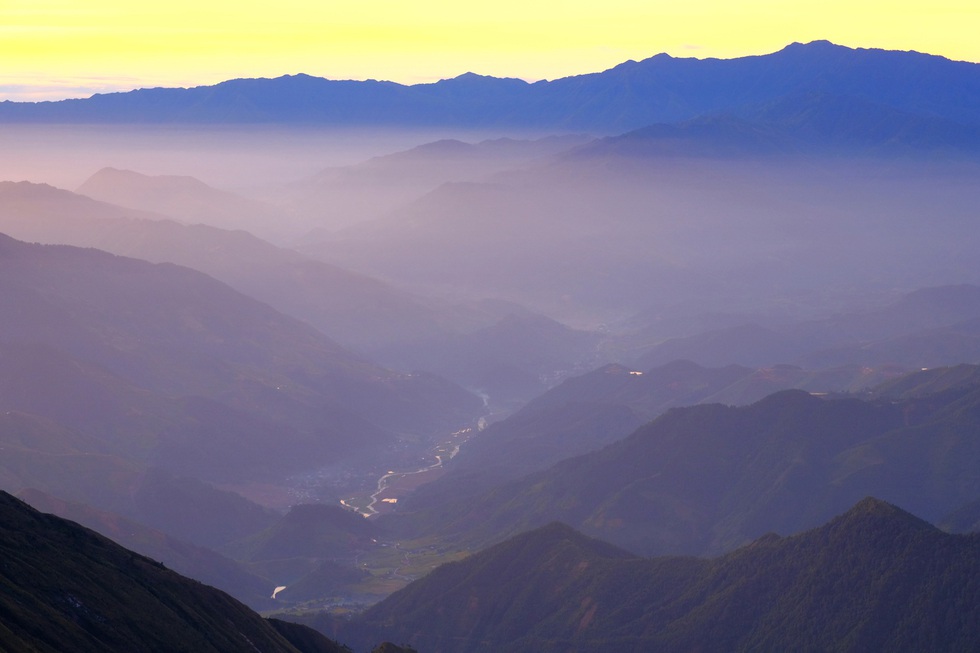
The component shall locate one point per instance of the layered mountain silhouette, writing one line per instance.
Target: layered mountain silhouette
(873, 578)
(187, 199)
(216, 355)
(500, 348)
(359, 311)
(604, 231)
(132, 387)
(705, 479)
(580, 415)
(812, 123)
(629, 96)
(512, 360)
(341, 196)
(712, 240)
(928, 327)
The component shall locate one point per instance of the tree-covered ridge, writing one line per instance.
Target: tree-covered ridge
(705, 479)
(873, 579)
(65, 588)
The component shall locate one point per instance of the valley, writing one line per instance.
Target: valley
(394, 484)
(681, 355)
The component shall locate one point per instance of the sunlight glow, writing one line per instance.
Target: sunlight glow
(46, 44)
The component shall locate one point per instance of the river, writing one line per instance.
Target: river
(441, 453)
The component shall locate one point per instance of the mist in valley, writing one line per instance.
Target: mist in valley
(676, 339)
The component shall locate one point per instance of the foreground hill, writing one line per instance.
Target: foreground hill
(64, 588)
(873, 579)
(310, 553)
(183, 557)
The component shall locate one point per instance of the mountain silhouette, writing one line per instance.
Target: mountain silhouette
(873, 578)
(65, 588)
(628, 96)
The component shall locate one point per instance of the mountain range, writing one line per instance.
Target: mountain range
(214, 354)
(591, 236)
(357, 310)
(587, 412)
(672, 305)
(705, 479)
(629, 96)
(133, 388)
(345, 195)
(502, 348)
(872, 578)
(928, 327)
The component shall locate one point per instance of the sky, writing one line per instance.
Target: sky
(53, 49)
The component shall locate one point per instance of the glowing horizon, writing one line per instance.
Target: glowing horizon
(55, 49)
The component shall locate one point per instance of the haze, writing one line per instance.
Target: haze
(228, 157)
(307, 341)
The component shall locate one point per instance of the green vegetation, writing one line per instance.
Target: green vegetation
(873, 579)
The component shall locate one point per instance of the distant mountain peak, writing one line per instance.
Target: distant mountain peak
(472, 75)
(557, 533)
(445, 146)
(31, 189)
(874, 506)
(109, 174)
(879, 516)
(477, 80)
(818, 44)
(557, 530)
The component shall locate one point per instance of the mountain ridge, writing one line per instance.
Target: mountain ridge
(705, 479)
(344, 305)
(872, 578)
(183, 557)
(629, 95)
(65, 587)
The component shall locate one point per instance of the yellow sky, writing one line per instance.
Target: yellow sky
(72, 48)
